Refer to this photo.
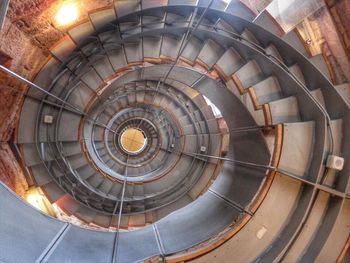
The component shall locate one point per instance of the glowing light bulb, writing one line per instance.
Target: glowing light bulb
(67, 14)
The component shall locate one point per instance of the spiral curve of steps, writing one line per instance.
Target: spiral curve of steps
(256, 189)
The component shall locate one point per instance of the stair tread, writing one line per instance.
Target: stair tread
(298, 140)
(285, 110)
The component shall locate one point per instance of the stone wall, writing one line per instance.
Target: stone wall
(10, 171)
(36, 18)
(340, 11)
(320, 35)
(21, 55)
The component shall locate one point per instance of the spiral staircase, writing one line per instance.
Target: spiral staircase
(119, 130)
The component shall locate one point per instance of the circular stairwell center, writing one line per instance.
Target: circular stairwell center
(182, 131)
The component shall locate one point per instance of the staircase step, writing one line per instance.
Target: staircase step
(103, 67)
(64, 48)
(192, 50)
(204, 182)
(31, 155)
(247, 76)
(71, 148)
(26, 126)
(297, 147)
(45, 77)
(210, 53)
(102, 17)
(53, 192)
(285, 110)
(117, 58)
(80, 32)
(229, 63)
(80, 95)
(41, 174)
(85, 171)
(125, 7)
(133, 52)
(70, 134)
(151, 47)
(237, 8)
(77, 161)
(92, 79)
(266, 91)
(170, 46)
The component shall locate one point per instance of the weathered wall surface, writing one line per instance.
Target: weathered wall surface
(19, 53)
(24, 58)
(10, 171)
(340, 11)
(340, 14)
(36, 18)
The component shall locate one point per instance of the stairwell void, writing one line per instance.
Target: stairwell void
(117, 131)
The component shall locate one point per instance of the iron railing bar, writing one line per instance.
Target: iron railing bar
(159, 242)
(252, 128)
(230, 202)
(6, 70)
(281, 171)
(53, 244)
(235, 161)
(115, 248)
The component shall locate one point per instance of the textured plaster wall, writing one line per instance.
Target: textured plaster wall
(36, 18)
(22, 56)
(340, 14)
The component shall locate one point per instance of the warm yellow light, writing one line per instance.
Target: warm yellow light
(67, 14)
(132, 140)
(36, 198)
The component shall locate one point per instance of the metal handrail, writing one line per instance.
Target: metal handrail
(265, 54)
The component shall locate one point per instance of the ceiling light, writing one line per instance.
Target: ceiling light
(67, 14)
